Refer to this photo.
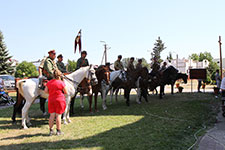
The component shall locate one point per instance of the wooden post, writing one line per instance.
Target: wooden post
(221, 60)
(105, 53)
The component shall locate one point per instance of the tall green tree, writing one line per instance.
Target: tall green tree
(159, 46)
(5, 64)
(71, 65)
(26, 69)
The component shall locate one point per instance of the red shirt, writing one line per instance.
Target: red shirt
(55, 89)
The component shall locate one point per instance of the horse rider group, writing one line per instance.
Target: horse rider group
(48, 65)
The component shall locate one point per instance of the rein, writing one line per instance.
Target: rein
(73, 81)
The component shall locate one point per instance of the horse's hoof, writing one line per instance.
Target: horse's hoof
(69, 121)
(24, 127)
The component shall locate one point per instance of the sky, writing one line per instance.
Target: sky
(129, 27)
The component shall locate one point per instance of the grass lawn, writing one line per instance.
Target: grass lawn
(167, 124)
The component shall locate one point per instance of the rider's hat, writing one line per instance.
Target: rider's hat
(60, 56)
(51, 52)
(83, 52)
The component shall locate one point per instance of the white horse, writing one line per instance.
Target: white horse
(28, 88)
(106, 88)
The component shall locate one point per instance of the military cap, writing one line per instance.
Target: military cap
(51, 51)
(60, 56)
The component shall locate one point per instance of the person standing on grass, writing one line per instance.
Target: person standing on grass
(218, 78)
(56, 101)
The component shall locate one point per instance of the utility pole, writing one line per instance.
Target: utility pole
(221, 63)
(105, 52)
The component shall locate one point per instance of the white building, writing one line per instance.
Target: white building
(183, 65)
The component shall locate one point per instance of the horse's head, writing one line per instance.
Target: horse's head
(123, 76)
(103, 74)
(185, 77)
(91, 75)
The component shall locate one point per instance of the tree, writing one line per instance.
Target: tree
(170, 57)
(194, 57)
(71, 66)
(158, 48)
(26, 69)
(5, 64)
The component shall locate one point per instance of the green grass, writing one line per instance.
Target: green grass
(167, 124)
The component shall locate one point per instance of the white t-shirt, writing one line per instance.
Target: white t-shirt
(222, 86)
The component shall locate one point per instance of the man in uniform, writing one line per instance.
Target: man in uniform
(130, 66)
(139, 64)
(82, 61)
(49, 65)
(60, 64)
(118, 64)
(164, 66)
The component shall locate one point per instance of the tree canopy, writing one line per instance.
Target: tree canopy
(26, 69)
(71, 66)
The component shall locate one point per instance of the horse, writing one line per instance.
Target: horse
(103, 76)
(169, 76)
(137, 79)
(28, 88)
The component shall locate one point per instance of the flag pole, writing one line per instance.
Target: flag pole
(221, 63)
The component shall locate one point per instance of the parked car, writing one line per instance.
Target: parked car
(9, 81)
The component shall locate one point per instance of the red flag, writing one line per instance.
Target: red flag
(77, 42)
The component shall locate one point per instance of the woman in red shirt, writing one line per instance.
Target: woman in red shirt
(56, 101)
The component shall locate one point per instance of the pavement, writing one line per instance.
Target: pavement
(214, 139)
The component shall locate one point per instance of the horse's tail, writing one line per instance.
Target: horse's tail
(19, 86)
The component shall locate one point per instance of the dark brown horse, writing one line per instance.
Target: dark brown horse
(103, 75)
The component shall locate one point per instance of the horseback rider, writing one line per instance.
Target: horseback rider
(107, 65)
(118, 64)
(139, 64)
(164, 66)
(49, 65)
(82, 61)
(60, 64)
(130, 66)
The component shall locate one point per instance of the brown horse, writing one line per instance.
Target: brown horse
(103, 75)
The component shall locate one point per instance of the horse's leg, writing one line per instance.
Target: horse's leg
(172, 85)
(127, 95)
(116, 94)
(90, 102)
(138, 98)
(42, 105)
(66, 114)
(72, 104)
(111, 95)
(145, 94)
(82, 101)
(156, 91)
(161, 91)
(96, 98)
(104, 95)
(25, 113)
(19, 100)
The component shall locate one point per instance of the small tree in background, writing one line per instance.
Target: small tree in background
(71, 65)
(159, 46)
(26, 69)
(169, 57)
(5, 64)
